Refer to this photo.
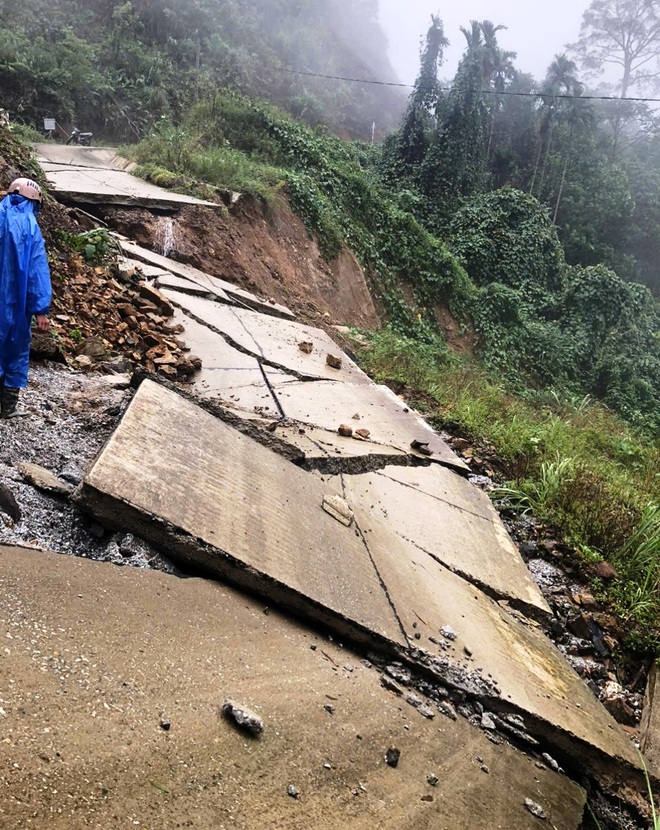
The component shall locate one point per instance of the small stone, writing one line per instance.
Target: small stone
(306, 347)
(485, 769)
(487, 721)
(333, 361)
(356, 417)
(345, 430)
(313, 646)
(243, 717)
(425, 712)
(447, 709)
(421, 447)
(414, 701)
(535, 809)
(432, 779)
(327, 766)
(165, 723)
(427, 798)
(550, 761)
(448, 632)
(294, 792)
(392, 757)
(349, 668)
(329, 708)
(467, 651)
(363, 433)
(83, 361)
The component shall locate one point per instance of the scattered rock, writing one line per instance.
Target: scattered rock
(153, 295)
(392, 757)
(165, 723)
(363, 433)
(329, 708)
(605, 571)
(421, 447)
(43, 479)
(243, 717)
(447, 709)
(432, 779)
(425, 712)
(550, 761)
(345, 430)
(333, 361)
(8, 503)
(294, 792)
(306, 347)
(535, 809)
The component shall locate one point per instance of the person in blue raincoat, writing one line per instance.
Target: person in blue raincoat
(25, 288)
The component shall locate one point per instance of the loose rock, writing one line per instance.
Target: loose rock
(392, 757)
(243, 717)
(535, 809)
(333, 361)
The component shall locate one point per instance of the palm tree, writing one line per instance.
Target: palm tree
(498, 69)
(560, 81)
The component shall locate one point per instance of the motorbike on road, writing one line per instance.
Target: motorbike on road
(76, 137)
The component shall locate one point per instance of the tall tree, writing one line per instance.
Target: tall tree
(623, 35)
(415, 131)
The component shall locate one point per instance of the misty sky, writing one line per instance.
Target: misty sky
(537, 29)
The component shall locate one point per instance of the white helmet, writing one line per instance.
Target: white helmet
(27, 188)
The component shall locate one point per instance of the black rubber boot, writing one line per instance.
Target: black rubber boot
(9, 403)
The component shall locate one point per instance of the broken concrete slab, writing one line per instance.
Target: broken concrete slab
(434, 481)
(226, 375)
(272, 340)
(104, 679)
(74, 155)
(339, 454)
(454, 530)
(101, 186)
(221, 502)
(509, 665)
(389, 420)
(197, 279)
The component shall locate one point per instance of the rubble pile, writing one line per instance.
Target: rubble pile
(110, 318)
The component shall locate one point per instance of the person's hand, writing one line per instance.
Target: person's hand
(43, 323)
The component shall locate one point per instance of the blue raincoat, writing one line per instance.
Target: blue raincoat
(25, 288)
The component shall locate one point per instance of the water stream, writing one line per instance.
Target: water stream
(165, 236)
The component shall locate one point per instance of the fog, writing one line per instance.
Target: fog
(536, 29)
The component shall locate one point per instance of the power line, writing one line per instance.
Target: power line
(483, 91)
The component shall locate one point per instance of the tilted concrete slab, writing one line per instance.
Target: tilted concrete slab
(100, 186)
(530, 675)
(389, 420)
(218, 500)
(275, 341)
(198, 279)
(98, 684)
(453, 531)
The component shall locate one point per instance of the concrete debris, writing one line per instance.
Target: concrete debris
(421, 447)
(306, 347)
(43, 479)
(338, 508)
(243, 717)
(333, 361)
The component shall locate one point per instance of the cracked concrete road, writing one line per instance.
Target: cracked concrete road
(96, 658)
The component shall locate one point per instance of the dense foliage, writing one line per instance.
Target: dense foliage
(115, 66)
